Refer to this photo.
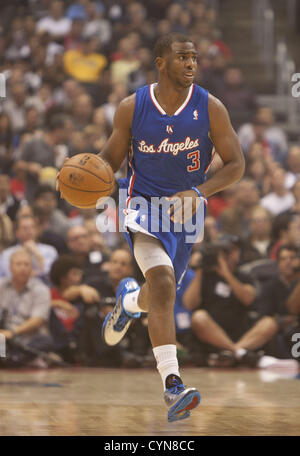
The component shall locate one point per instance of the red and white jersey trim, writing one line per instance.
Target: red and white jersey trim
(160, 109)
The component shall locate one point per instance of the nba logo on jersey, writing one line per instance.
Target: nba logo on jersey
(195, 114)
(169, 129)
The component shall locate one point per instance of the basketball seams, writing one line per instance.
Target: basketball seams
(81, 189)
(87, 171)
(107, 167)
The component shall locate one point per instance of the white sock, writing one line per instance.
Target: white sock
(167, 363)
(131, 302)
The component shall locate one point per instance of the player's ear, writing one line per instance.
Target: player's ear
(160, 63)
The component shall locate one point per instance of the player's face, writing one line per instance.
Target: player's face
(181, 64)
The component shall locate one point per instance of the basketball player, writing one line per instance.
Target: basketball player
(171, 129)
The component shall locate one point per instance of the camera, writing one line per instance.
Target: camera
(211, 250)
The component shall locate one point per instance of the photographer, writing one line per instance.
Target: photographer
(280, 299)
(225, 296)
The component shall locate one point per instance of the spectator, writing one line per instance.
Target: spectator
(296, 193)
(224, 296)
(42, 255)
(286, 230)
(278, 300)
(82, 111)
(96, 26)
(85, 64)
(279, 199)
(237, 96)
(66, 316)
(8, 203)
(258, 244)
(40, 152)
(235, 219)
(24, 310)
(6, 143)
(293, 166)
(263, 128)
(120, 266)
(46, 199)
(79, 243)
(126, 63)
(55, 24)
(15, 106)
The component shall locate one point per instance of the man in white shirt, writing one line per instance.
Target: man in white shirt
(280, 199)
(56, 25)
(42, 255)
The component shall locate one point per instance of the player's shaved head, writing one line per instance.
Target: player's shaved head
(164, 44)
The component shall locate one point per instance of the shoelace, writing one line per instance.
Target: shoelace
(177, 388)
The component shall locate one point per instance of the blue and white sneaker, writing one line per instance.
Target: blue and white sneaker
(118, 320)
(180, 399)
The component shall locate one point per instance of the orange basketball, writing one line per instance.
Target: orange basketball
(84, 179)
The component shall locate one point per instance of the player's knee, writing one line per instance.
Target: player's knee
(200, 319)
(161, 283)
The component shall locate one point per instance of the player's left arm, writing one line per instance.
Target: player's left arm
(227, 145)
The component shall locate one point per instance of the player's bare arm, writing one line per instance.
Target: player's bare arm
(118, 144)
(228, 148)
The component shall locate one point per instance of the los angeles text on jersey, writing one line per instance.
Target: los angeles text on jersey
(168, 147)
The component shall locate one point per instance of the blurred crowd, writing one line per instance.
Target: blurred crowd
(67, 65)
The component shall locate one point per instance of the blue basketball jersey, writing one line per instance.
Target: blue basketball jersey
(169, 153)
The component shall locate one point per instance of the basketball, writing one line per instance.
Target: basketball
(84, 179)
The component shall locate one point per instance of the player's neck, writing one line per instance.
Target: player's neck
(169, 97)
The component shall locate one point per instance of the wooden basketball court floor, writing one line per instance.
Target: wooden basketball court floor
(111, 402)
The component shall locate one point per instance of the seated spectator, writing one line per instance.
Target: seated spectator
(279, 300)
(237, 96)
(96, 26)
(280, 199)
(82, 111)
(286, 230)
(235, 219)
(14, 106)
(257, 169)
(126, 63)
(66, 316)
(46, 236)
(42, 255)
(6, 143)
(120, 266)
(258, 244)
(40, 152)
(24, 311)
(9, 205)
(221, 297)
(293, 166)
(55, 24)
(85, 64)
(296, 193)
(79, 244)
(46, 199)
(264, 130)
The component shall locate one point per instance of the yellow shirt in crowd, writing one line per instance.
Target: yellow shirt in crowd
(84, 67)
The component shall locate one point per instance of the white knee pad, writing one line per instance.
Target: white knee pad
(149, 252)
